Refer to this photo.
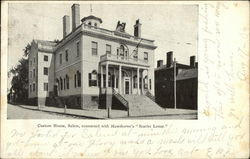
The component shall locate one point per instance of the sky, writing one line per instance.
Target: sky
(173, 27)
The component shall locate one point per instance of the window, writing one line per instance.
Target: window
(93, 78)
(117, 82)
(45, 71)
(145, 82)
(45, 86)
(34, 86)
(67, 82)
(34, 60)
(94, 99)
(104, 80)
(30, 63)
(135, 81)
(66, 55)
(140, 82)
(61, 83)
(109, 80)
(78, 79)
(95, 24)
(45, 58)
(94, 48)
(145, 56)
(99, 80)
(64, 83)
(89, 23)
(150, 86)
(60, 58)
(78, 100)
(30, 74)
(77, 49)
(108, 49)
(136, 54)
(122, 50)
(75, 80)
(30, 88)
(34, 73)
(113, 81)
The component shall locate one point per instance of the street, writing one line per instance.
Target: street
(31, 112)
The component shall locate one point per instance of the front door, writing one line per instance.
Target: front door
(126, 85)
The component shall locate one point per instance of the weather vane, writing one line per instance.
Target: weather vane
(90, 9)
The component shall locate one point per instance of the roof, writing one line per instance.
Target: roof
(178, 65)
(187, 74)
(45, 46)
(47, 43)
(91, 17)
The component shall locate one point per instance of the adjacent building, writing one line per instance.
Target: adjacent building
(184, 77)
(88, 59)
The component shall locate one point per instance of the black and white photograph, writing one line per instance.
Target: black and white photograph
(153, 79)
(100, 61)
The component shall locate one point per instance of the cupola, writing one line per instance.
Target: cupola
(92, 21)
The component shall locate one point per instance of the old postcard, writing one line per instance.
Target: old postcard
(125, 79)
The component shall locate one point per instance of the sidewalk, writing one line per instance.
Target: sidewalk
(92, 114)
(115, 114)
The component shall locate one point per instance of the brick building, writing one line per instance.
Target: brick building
(88, 61)
(186, 83)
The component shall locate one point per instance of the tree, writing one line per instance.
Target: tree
(20, 87)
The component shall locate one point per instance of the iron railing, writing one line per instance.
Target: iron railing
(149, 95)
(121, 99)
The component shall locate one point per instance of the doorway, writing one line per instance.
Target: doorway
(126, 85)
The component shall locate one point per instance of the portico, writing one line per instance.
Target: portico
(124, 78)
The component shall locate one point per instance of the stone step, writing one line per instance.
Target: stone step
(142, 105)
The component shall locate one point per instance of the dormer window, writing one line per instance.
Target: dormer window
(95, 24)
(89, 23)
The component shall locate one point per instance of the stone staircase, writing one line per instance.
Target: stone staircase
(141, 105)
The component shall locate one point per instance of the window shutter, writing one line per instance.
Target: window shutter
(90, 84)
(75, 80)
(99, 80)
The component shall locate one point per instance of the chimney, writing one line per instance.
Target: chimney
(159, 63)
(192, 61)
(196, 64)
(66, 26)
(169, 58)
(75, 16)
(137, 29)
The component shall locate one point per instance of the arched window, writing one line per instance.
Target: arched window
(67, 82)
(145, 81)
(78, 75)
(93, 78)
(64, 83)
(135, 81)
(75, 80)
(109, 79)
(61, 83)
(123, 51)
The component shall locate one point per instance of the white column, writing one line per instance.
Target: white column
(101, 77)
(114, 77)
(142, 82)
(107, 75)
(148, 79)
(138, 82)
(132, 82)
(120, 79)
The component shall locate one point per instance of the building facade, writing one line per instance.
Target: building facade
(185, 82)
(89, 59)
